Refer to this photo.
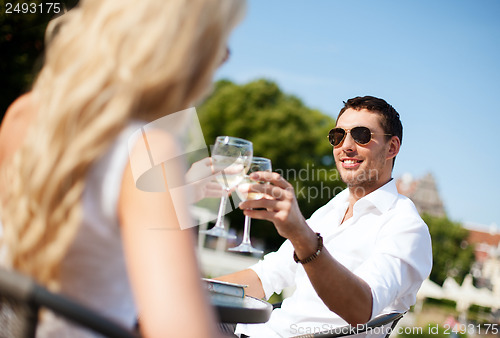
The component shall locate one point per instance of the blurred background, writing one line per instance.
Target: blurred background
(292, 65)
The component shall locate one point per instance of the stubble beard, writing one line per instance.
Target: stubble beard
(361, 181)
(360, 178)
(366, 178)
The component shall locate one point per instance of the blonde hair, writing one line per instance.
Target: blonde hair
(111, 61)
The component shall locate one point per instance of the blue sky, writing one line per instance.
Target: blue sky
(436, 62)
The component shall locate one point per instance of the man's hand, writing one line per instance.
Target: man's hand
(280, 205)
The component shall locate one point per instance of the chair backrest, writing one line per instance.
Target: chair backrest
(348, 330)
(21, 298)
(18, 314)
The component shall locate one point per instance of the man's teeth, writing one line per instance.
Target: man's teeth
(350, 161)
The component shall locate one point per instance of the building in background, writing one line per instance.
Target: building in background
(486, 269)
(423, 192)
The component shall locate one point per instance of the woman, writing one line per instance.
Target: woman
(72, 216)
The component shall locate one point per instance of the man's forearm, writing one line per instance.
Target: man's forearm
(341, 290)
(246, 277)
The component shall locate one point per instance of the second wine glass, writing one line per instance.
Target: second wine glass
(231, 158)
(258, 164)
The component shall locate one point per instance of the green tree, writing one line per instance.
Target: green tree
(452, 254)
(281, 128)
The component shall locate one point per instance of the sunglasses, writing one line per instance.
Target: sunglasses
(361, 135)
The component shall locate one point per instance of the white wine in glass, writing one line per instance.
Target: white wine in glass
(231, 158)
(258, 164)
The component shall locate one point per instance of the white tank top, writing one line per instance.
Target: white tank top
(94, 271)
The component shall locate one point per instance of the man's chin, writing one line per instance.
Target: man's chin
(355, 181)
(351, 179)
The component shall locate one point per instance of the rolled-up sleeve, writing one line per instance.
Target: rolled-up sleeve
(399, 264)
(277, 270)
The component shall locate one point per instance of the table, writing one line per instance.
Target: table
(241, 310)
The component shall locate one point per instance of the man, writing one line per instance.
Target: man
(366, 252)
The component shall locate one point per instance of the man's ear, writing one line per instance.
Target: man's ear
(394, 146)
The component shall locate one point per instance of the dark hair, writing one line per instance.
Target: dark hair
(391, 124)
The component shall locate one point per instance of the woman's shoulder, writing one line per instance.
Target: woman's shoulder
(24, 107)
(17, 119)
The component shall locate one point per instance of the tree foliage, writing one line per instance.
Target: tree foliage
(452, 255)
(281, 128)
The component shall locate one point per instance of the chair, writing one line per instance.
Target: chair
(21, 298)
(348, 330)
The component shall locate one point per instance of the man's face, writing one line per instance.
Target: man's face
(365, 167)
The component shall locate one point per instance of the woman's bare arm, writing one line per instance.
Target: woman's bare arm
(162, 264)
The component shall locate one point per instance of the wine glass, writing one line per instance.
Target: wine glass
(258, 164)
(231, 158)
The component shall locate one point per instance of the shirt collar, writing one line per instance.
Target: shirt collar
(383, 198)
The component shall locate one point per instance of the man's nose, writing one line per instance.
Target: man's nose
(349, 143)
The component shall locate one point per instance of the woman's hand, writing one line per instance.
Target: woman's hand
(201, 179)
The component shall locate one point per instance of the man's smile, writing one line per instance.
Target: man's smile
(350, 163)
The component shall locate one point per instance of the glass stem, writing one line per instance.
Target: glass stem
(246, 231)
(222, 209)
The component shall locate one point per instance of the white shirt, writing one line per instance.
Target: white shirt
(385, 242)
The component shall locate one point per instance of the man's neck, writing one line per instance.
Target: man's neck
(358, 192)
